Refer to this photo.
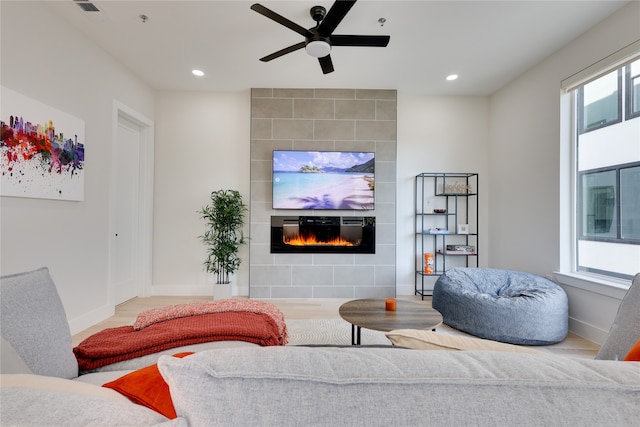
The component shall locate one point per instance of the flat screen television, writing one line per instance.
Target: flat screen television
(323, 180)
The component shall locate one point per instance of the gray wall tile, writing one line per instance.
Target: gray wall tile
(386, 110)
(312, 275)
(292, 129)
(293, 93)
(261, 128)
(373, 292)
(356, 109)
(333, 292)
(336, 93)
(269, 108)
(256, 291)
(261, 93)
(376, 94)
(376, 130)
(341, 130)
(354, 275)
(313, 109)
(292, 292)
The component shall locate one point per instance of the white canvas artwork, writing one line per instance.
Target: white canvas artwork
(41, 150)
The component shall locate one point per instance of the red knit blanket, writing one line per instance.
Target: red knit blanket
(122, 343)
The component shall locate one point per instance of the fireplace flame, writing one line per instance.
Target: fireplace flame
(312, 241)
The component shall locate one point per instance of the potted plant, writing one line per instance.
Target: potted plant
(224, 217)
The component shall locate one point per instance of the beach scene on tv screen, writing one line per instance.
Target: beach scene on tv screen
(323, 180)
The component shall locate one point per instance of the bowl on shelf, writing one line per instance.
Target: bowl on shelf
(439, 211)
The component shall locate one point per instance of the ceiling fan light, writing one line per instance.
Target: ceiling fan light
(318, 48)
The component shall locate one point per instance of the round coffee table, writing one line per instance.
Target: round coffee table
(371, 313)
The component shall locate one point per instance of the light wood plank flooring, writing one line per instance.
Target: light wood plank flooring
(573, 345)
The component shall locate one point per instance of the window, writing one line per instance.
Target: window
(630, 203)
(600, 102)
(607, 195)
(607, 172)
(633, 94)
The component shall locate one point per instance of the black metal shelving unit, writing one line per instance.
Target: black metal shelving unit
(441, 233)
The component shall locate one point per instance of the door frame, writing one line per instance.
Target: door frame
(143, 230)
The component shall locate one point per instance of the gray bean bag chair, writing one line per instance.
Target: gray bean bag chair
(502, 305)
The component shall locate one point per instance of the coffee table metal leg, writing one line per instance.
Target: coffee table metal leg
(355, 334)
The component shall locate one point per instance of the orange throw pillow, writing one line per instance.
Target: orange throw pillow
(146, 387)
(634, 353)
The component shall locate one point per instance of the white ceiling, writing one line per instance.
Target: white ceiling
(487, 43)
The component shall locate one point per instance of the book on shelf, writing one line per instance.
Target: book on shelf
(453, 252)
(465, 248)
(437, 231)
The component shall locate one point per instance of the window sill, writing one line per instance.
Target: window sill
(597, 284)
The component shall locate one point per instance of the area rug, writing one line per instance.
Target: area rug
(338, 332)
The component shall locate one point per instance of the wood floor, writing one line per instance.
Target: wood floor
(125, 314)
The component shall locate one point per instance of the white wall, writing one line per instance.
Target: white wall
(527, 189)
(44, 59)
(202, 145)
(438, 134)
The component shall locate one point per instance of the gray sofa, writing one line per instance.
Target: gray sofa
(292, 386)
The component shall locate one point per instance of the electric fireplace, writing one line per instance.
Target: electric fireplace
(323, 234)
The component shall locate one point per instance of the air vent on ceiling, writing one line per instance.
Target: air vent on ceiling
(87, 6)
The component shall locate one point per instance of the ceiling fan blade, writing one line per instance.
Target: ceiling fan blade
(281, 20)
(326, 64)
(284, 51)
(368, 41)
(335, 15)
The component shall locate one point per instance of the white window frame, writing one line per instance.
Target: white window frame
(568, 273)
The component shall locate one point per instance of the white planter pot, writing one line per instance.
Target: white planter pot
(222, 291)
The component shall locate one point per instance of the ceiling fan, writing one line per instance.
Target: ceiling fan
(319, 39)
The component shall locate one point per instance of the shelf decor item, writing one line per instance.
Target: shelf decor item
(429, 260)
(224, 217)
(463, 229)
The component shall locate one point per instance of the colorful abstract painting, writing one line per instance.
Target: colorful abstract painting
(41, 150)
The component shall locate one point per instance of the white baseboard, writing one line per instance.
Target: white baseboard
(405, 290)
(182, 290)
(587, 331)
(88, 320)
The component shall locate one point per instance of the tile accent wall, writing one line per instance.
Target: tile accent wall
(323, 120)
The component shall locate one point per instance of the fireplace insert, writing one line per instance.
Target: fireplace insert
(323, 234)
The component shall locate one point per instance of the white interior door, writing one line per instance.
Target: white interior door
(124, 211)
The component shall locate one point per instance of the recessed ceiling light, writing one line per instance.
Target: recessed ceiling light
(198, 73)
(452, 77)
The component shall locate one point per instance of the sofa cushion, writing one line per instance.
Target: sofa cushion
(292, 385)
(10, 361)
(34, 323)
(24, 406)
(150, 359)
(427, 340)
(41, 382)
